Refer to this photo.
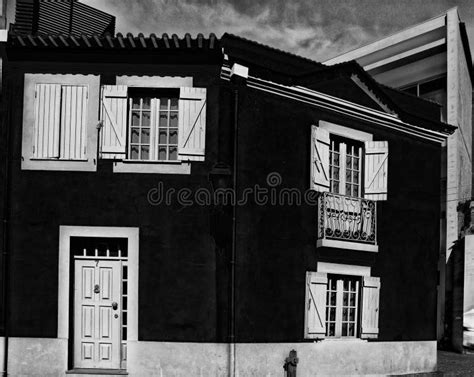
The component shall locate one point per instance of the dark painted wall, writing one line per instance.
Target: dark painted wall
(182, 272)
(177, 252)
(276, 244)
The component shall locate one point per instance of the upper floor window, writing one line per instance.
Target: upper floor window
(153, 125)
(345, 160)
(153, 130)
(344, 163)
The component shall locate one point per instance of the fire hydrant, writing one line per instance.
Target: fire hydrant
(290, 364)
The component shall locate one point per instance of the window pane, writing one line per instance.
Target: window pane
(124, 303)
(164, 103)
(344, 329)
(145, 153)
(348, 189)
(135, 103)
(162, 137)
(352, 315)
(145, 136)
(344, 314)
(349, 175)
(173, 119)
(135, 135)
(174, 104)
(336, 159)
(356, 177)
(333, 298)
(173, 153)
(351, 329)
(332, 327)
(135, 119)
(348, 162)
(173, 137)
(163, 120)
(162, 153)
(146, 119)
(146, 103)
(356, 163)
(134, 152)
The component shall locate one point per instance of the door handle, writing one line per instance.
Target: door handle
(114, 305)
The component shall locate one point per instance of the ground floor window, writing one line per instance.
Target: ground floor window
(341, 306)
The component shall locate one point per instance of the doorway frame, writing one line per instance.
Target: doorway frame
(64, 278)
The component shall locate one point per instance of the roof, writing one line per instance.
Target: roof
(272, 64)
(108, 41)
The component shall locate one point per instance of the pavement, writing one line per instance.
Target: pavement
(451, 364)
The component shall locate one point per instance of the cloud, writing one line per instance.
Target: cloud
(315, 29)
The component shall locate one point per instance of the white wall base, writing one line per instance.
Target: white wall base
(48, 357)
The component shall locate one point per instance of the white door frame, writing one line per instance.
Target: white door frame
(65, 233)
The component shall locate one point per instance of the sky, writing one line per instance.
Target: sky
(316, 29)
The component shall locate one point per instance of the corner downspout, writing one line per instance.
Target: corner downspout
(232, 355)
(5, 221)
(239, 75)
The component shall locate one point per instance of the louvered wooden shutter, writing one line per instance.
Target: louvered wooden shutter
(376, 170)
(114, 118)
(319, 159)
(73, 122)
(47, 120)
(192, 124)
(370, 307)
(315, 317)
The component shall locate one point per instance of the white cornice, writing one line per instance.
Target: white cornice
(340, 106)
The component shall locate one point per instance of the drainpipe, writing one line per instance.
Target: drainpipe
(238, 76)
(5, 221)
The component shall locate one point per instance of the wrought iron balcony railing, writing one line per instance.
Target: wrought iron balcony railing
(346, 218)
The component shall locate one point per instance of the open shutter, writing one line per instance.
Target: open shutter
(192, 124)
(315, 313)
(114, 118)
(319, 159)
(47, 120)
(73, 122)
(376, 170)
(370, 307)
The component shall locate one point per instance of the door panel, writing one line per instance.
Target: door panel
(97, 325)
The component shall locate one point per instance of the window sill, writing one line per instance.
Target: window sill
(347, 245)
(85, 165)
(59, 159)
(152, 167)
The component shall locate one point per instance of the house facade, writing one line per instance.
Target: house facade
(432, 60)
(202, 206)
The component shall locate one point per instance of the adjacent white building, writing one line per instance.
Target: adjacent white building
(432, 60)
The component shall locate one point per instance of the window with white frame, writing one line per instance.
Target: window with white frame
(153, 124)
(341, 306)
(345, 166)
(344, 162)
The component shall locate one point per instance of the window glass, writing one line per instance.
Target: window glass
(153, 125)
(345, 166)
(342, 306)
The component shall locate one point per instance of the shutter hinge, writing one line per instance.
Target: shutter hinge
(33, 149)
(36, 93)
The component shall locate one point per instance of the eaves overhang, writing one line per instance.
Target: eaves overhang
(343, 107)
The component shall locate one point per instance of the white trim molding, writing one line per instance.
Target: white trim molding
(346, 132)
(65, 234)
(154, 81)
(337, 105)
(343, 269)
(347, 245)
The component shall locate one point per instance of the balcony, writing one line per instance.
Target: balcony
(347, 222)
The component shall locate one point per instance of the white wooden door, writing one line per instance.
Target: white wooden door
(97, 314)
